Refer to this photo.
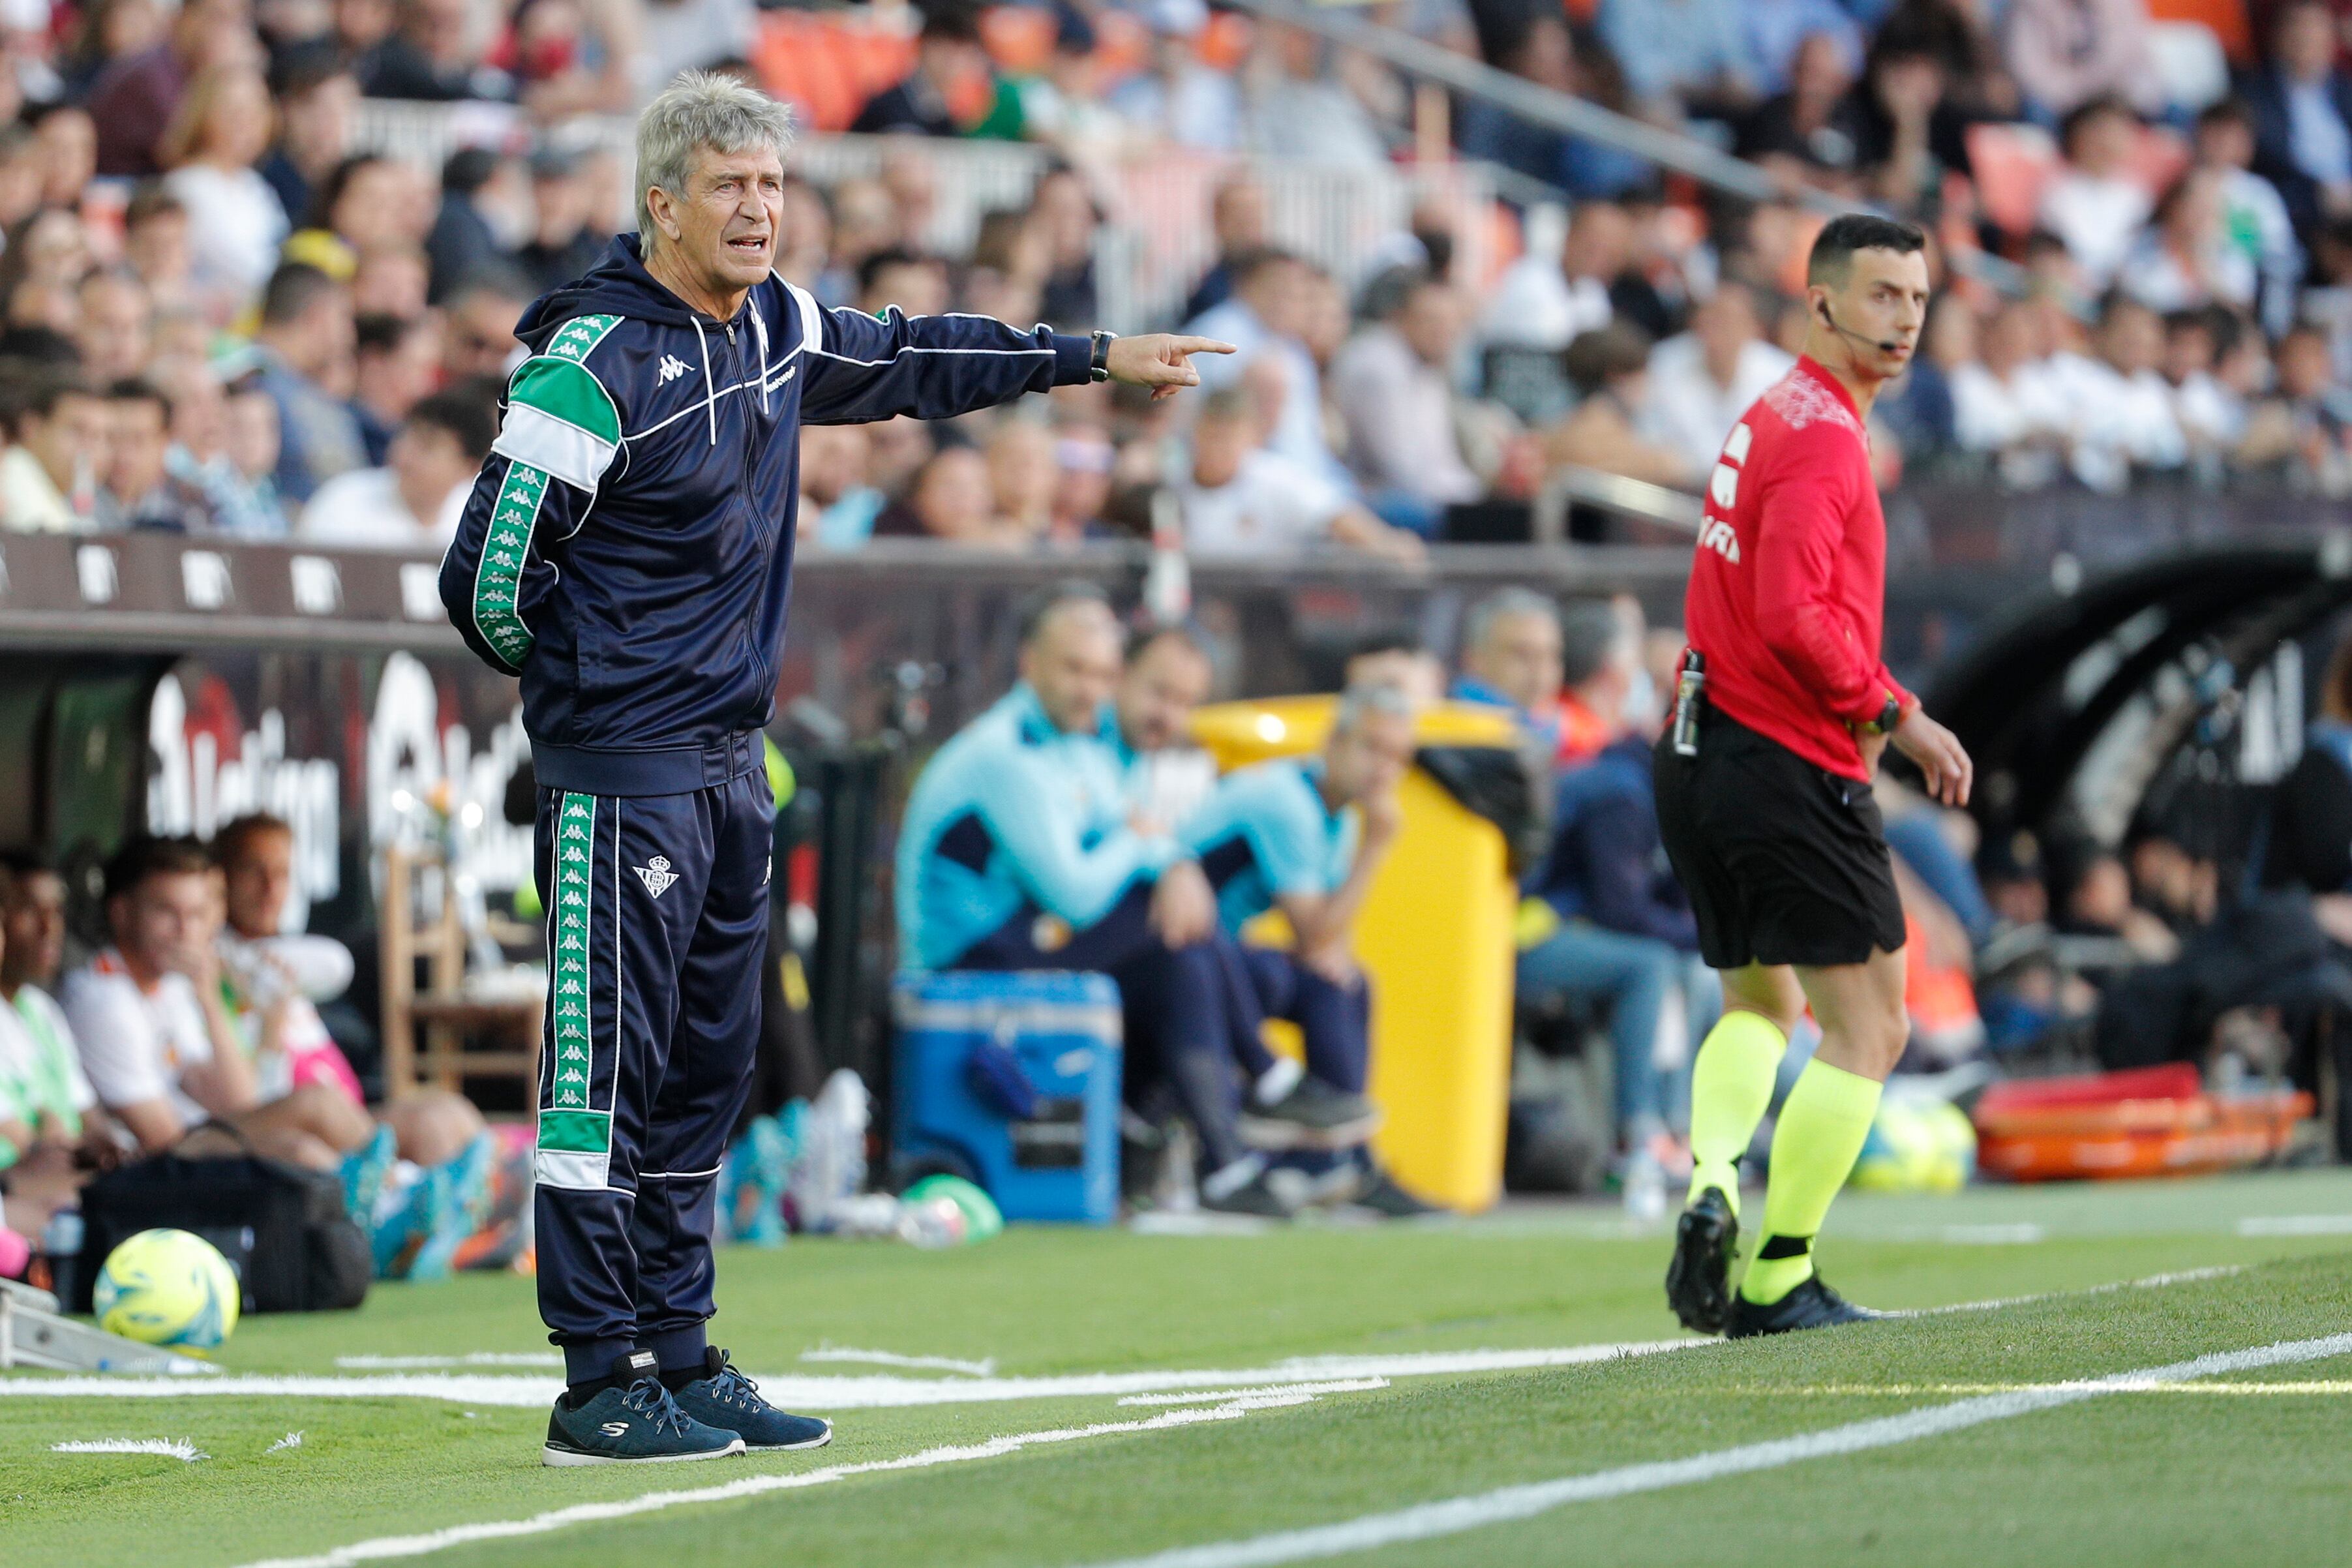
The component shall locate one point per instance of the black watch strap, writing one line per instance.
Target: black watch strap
(1890, 717)
(1098, 363)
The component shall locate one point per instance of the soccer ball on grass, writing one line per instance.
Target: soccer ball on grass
(167, 1287)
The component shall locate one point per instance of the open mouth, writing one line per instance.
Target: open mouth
(749, 245)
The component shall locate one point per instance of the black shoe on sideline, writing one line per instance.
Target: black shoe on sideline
(1811, 1305)
(1313, 1115)
(1255, 1197)
(1381, 1194)
(1698, 1276)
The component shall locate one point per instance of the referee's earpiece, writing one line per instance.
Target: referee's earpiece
(1884, 345)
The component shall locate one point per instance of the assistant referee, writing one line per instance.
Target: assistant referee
(1764, 796)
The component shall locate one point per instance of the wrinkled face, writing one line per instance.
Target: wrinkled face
(260, 879)
(1520, 657)
(34, 922)
(1072, 663)
(1163, 683)
(723, 226)
(1365, 760)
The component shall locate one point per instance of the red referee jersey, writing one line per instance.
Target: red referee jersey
(1788, 591)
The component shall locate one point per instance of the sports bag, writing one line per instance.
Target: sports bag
(281, 1227)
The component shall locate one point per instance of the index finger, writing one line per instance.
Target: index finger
(1201, 347)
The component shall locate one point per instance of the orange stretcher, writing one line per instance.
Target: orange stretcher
(2150, 1122)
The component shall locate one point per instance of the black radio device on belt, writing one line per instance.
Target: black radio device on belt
(1689, 692)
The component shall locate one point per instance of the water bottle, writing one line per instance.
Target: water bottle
(1645, 1189)
(931, 1223)
(61, 1241)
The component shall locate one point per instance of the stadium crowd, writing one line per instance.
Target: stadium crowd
(220, 310)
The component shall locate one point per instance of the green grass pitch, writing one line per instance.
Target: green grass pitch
(2225, 1471)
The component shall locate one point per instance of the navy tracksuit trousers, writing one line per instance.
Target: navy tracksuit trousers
(658, 920)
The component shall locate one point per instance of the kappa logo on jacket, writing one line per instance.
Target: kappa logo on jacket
(657, 876)
(672, 367)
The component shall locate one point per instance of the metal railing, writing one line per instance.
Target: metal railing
(1615, 494)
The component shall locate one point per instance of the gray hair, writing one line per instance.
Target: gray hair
(1592, 637)
(701, 109)
(1503, 605)
(1360, 702)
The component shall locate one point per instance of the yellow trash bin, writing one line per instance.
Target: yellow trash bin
(1435, 938)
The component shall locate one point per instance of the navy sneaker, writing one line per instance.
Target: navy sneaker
(724, 1397)
(1811, 1305)
(638, 1424)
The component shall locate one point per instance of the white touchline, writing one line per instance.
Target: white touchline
(1348, 1385)
(477, 1358)
(749, 1486)
(837, 1393)
(1454, 1516)
(164, 1448)
(891, 1358)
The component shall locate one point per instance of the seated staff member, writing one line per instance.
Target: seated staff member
(1307, 835)
(1015, 853)
(53, 1136)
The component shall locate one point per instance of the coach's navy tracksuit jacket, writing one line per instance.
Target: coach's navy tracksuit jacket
(627, 552)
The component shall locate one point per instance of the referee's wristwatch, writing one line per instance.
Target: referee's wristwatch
(1098, 363)
(1889, 720)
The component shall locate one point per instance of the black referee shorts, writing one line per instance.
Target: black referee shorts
(1784, 862)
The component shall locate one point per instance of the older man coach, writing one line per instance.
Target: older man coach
(627, 552)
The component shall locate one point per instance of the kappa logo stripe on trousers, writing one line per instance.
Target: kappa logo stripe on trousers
(652, 1012)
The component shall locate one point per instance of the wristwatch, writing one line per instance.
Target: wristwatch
(1890, 717)
(1098, 363)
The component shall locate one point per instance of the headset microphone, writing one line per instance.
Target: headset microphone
(1884, 345)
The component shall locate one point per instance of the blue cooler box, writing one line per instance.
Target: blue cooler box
(1060, 1162)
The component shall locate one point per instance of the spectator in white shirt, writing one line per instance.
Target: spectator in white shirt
(1271, 297)
(1179, 98)
(1395, 389)
(1545, 301)
(2184, 258)
(48, 472)
(2121, 409)
(1703, 380)
(2006, 402)
(413, 502)
(2254, 214)
(2212, 417)
(235, 223)
(2097, 202)
(1238, 497)
(156, 1037)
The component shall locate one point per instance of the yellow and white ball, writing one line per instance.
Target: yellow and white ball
(167, 1287)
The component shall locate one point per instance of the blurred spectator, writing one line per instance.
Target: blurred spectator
(1023, 478)
(155, 243)
(305, 346)
(2122, 414)
(1511, 659)
(1396, 659)
(199, 457)
(916, 285)
(2006, 402)
(2097, 202)
(395, 362)
(564, 242)
(1395, 390)
(478, 324)
(463, 240)
(1799, 128)
(67, 141)
(20, 175)
(2301, 102)
(1545, 301)
(951, 499)
(2254, 219)
(1536, 45)
(2212, 417)
(136, 98)
(1679, 52)
(1610, 368)
(1780, 32)
(1065, 218)
(572, 56)
(838, 505)
(116, 330)
(413, 500)
(48, 472)
(2185, 257)
(251, 443)
(391, 279)
(1261, 320)
(2303, 426)
(689, 34)
(2065, 53)
(2310, 841)
(370, 200)
(948, 57)
(318, 99)
(138, 490)
(1083, 459)
(1702, 381)
(1238, 496)
(1237, 217)
(1177, 96)
(1298, 107)
(235, 223)
(433, 57)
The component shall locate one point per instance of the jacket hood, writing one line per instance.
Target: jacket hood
(618, 285)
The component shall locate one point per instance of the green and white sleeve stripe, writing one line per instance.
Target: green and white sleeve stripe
(560, 420)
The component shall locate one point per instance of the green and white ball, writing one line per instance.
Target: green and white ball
(167, 1287)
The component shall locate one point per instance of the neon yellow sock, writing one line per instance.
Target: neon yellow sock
(1731, 1086)
(1821, 1132)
